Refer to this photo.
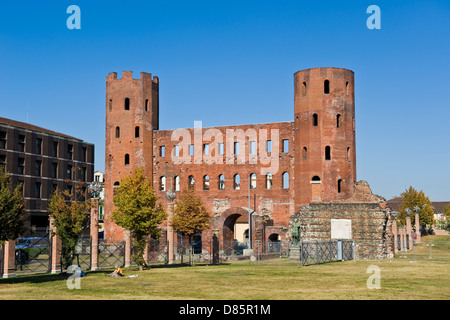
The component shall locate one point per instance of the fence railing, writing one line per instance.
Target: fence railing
(317, 252)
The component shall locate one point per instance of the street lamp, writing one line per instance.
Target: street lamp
(171, 195)
(95, 187)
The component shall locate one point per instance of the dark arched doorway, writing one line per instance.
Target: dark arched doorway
(274, 243)
(234, 226)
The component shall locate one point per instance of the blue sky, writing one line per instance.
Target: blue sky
(232, 62)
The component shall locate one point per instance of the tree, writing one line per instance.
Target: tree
(70, 215)
(447, 212)
(413, 199)
(12, 208)
(190, 216)
(138, 210)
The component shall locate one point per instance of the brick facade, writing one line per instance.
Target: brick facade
(268, 170)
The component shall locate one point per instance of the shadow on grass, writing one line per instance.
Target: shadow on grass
(46, 277)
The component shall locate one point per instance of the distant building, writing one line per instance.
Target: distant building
(43, 161)
(98, 176)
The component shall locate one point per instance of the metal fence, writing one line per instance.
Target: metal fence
(428, 251)
(316, 252)
(33, 259)
(111, 253)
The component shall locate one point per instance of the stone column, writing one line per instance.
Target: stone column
(395, 235)
(9, 254)
(56, 250)
(417, 225)
(127, 235)
(409, 233)
(170, 235)
(215, 246)
(94, 234)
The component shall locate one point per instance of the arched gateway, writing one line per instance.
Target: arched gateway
(227, 224)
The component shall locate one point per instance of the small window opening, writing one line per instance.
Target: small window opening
(127, 159)
(117, 132)
(221, 182)
(252, 181)
(326, 87)
(162, 183)
(285, 146)
(136, 132)
(285, 180)
(305, 153)
(315, 120)
(338, 121)
(127, 103)
(304, 89)
(269, 181)
(176, 181)
(339, 186)
(206, 182)
(146, 104)
(191, 181)
(237, 182)
(327, 153)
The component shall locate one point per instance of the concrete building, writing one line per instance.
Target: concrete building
(43, 161)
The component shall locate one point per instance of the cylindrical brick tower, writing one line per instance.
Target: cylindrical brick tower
(132, 107)
(324, 124)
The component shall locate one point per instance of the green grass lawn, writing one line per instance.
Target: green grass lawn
(277, 279)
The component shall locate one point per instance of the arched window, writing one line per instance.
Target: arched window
(162, 183)
(221, 182)
(127, 103)
(315, 120)
(315, 179)
(326, 87)
(339, 185)
(327, 153)
(206, 182)
(127, 159)
(285, 180)
(146, 104)
(348, 154)
(237, 182)
(117, 132)
(252, 178)
(338, 120)
(269, 181)
(136, 132)
(191, 181)
(110, 105)
(304, 89)
(305, 153)
(115, 186)
(176, 182)
(346, 88)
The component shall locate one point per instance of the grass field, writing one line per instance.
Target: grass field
(276, 279)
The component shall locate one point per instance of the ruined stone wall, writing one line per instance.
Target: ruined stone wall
(370, 226)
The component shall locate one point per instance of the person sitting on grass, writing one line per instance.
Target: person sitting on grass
(117, 272)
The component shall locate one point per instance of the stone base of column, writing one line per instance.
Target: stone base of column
(9, 275)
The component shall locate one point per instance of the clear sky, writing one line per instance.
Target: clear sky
(232, 62)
